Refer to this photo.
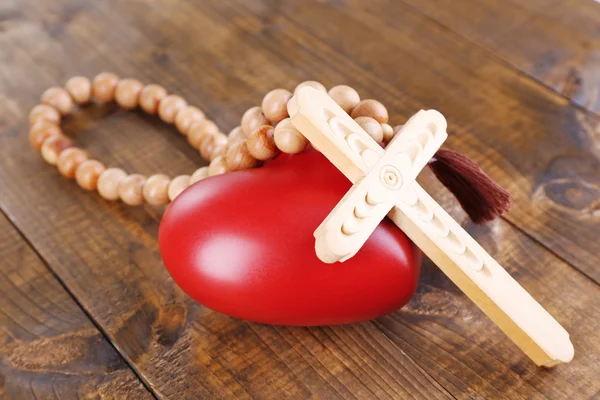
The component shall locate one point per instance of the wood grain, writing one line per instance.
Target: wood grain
(48, 347)
(223, 56)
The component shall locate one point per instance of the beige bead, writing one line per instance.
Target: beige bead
(131, 189)
(198, 130)
(44, 112)
(156, 190)
(170, 106)
(288, 139)
(186, 117)
(261, 144)
(372, 127)
(127, 93)
(218, 166)
(80, 89)
(42, 131)
(109, 181)
(210, 143)
(58, 98)
(219, 149)
(312, 84)
(104, 87)
(199, 174)
(388, 132)
(239, 158)
(253, 119)
(274, 105)
(345, 96)
(236, 134)
(371, 108)
(150, 98)
(178, 185)
(69, 160)
(88, 173)
(53, 146)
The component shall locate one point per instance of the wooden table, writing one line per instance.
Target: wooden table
(87, 309)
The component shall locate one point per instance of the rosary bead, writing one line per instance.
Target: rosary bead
(44, 112)
(150, 98)
(104, 86)
(312, 84)
(274, 105)
(156, 190)
(372, 127)
(53, 146)
(252, 119)
(388, 132)
(345, 96)
(170, 106)
(199, 174)
(236, 134)
(178, 185)
(238, 157)
(69, 160)
(210, 143)
(371, 108)
(186, 117)
(109, 181)
(289, 139)
(131, 189)
(218, 166)
(42, 131)
(127, 93)
(88, 173)
(198, 130)
(80, 89)
(261, 144)
(219, 148)
(58, 98)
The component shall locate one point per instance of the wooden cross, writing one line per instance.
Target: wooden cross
(384, 184)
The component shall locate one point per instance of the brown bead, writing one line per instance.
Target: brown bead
(253, 119)
(371, 108)
(150, 98)
(198, 130)
(178, 185)
(109, 181)
(239, 158)
(345, 96)
(53, 146)
(211, 142)
(80, 89)
(131, 189)
(69, 160)
(388, 132)
(261, 144)
(236, 134)
(288, 139)
(312, 84)
(42, 131)
(127, 93)
(199, 174)
(58, 98)
(156, 189)
(170, 106)
(218, 166)
(186, 117)
(88, 173)
(104, 87)
(372, 127)
(274, 105)
(44, 112)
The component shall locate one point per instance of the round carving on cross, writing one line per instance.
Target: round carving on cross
(391, 177)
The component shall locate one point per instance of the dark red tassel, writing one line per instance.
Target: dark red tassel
(481, 198)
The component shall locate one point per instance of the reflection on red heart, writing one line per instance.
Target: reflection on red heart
(242, 244)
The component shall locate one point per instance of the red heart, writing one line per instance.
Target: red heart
(242, 244)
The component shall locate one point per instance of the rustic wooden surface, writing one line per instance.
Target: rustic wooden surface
(86, 307)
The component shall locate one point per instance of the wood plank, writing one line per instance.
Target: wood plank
(556, 42)
(49, 349)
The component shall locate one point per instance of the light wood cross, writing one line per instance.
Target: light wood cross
(384, 184)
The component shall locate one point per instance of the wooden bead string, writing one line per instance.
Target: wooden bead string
(263, 133)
